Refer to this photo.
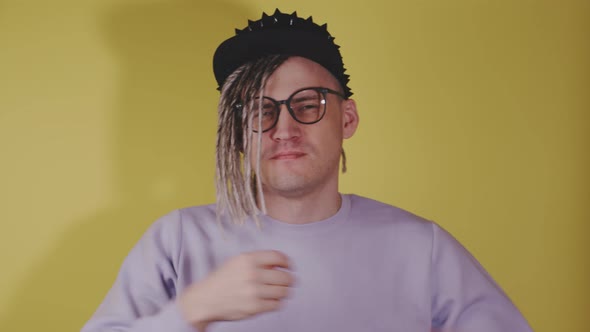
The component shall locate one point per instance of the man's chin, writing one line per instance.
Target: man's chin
(287, 185)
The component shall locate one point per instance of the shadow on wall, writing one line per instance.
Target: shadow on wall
(165, 113)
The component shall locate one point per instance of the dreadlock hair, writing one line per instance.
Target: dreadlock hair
(237, 186)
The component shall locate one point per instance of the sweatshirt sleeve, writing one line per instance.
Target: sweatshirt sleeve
(143, 295)
(464, 296)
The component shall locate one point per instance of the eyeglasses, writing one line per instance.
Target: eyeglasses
(306, 106)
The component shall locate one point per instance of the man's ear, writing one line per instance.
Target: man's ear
(350, 118)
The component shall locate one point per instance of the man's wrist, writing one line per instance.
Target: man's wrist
(194, 314)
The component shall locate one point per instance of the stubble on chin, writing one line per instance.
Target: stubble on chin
(294, 181)
(284, 182)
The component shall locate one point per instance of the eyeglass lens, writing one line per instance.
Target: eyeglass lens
(306, 106)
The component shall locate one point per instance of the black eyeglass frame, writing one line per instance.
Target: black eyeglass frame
(287, 102)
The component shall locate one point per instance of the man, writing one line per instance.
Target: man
(283, 250)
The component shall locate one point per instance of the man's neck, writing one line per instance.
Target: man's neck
(303, 209)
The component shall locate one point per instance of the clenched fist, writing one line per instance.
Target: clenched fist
(245, 285)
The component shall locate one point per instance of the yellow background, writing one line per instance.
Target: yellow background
(474, 113)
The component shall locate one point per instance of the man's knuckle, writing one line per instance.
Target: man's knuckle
(250, 274)
(274, 305)
(285, 292)
(252, 291)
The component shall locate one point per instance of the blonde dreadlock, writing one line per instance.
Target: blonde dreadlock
(236, 185)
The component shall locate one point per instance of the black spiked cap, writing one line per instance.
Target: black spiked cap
(280, 33)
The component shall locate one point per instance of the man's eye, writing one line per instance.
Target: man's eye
(265, 114)
(306, 107)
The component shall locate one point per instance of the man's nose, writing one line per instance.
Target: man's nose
(286, 128)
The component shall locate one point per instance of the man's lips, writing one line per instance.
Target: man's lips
(287, 155)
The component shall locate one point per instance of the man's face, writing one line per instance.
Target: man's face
(297, 159)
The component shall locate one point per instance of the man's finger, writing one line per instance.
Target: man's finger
(271, 258)
(272, 292)
(276, 277)
(265, 305)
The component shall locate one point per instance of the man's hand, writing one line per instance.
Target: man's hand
(244, 286)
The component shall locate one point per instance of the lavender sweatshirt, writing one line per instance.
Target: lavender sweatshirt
(370, 267)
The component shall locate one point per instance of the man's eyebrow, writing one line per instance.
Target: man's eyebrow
(304, 98)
